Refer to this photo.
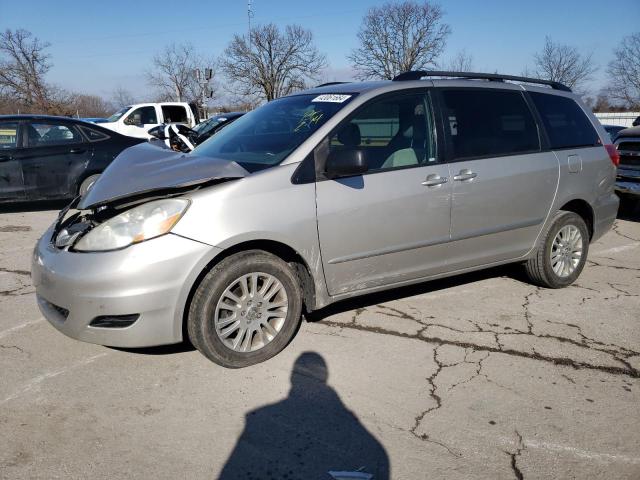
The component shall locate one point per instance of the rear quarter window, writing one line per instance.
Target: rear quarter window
(565, 122)
(93, 135)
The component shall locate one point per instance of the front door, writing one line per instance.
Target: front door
(503, 184)
(391, 224)
(55, 157)
(11, 183)
(140, 121)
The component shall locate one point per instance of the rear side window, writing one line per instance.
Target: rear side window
(482, 123)
(174, 114)
(565, 122)
(8, 135)
(47, 134)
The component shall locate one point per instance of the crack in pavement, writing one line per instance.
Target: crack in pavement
(615, 230)
(438, 400)
(627, 370)
(12, 346)
(16, 272)
(514, 457)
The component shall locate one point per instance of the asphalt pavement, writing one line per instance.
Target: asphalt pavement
(481, 376)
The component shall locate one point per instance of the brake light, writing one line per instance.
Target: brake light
(613, 154)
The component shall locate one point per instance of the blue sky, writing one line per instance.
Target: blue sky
(97, 47)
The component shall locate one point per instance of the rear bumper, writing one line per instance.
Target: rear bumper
(151, 279)
(628, 181)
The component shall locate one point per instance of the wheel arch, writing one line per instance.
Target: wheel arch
(583, 208)
(280, 250)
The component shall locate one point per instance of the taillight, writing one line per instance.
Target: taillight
(613, 154)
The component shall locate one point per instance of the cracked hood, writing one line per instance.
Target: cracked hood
(146, 168)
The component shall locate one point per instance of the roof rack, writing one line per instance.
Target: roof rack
(329, 83)
(493, 77)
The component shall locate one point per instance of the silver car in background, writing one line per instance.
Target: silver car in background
(329, 193)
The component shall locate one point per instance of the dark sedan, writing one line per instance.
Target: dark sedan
(45, 157)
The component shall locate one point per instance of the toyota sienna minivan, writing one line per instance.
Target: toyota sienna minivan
(326, 194)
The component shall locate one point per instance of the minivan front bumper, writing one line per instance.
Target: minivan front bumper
(149, 281)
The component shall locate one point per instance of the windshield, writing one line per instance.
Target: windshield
(116, 116)
(264, 137)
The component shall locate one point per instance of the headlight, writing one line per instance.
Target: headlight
(141, 223)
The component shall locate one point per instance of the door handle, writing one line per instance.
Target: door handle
(464, 175)
(434, 180)
(77, 150)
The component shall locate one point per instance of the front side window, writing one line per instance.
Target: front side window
(565, 122)
(8, 135)
(142, 115)
(47, 134)
(395, 132)
(266, 136)
(481, 123)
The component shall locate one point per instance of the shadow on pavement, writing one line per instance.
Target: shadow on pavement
(305, 435)
(160, 350)
(513, 271)
(629, 210)
(39, 206)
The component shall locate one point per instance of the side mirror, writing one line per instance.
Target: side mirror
(346, 163)
(158, 132)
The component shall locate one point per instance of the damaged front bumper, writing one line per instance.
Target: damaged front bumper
(86, 295)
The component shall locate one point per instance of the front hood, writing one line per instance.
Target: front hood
(146, 168)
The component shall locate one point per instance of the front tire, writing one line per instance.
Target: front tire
(561, 253)
(245, 310)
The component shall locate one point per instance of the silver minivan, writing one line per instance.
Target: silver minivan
(326, 194)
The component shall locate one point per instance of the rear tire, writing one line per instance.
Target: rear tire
(87, 183)
(227, 301)
(561, 253)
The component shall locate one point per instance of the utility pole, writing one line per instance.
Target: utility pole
(249, 17)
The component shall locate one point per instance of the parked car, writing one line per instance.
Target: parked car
(136, 120)
(324, 195)
(44, 157)
(214, 124)
(613, 130)
(628, 181)
(94, 119)
(183, 139)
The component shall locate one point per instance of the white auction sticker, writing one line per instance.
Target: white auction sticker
(331, 97)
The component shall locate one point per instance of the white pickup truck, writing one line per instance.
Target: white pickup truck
(136, 120)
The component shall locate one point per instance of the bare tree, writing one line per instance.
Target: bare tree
(84, 105)
(121, 97)
(273, 63)
(398, 37)
(624, 71)
(173, 73)
(564, 64)
(461, 62)
(23, 66)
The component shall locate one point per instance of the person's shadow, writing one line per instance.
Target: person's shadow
(305, 435)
